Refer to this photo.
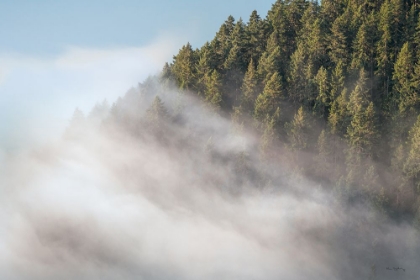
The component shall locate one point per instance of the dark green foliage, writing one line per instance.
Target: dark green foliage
(339, 116)
(361, 132)
(404, 93)
(412, 164)
(298, 130)
(339, 80)
(269, 100)
(323, 98)
(249, 88)
(183, 67)
(213, 93)
(364, 46)
(340, 40)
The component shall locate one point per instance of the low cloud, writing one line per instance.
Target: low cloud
(124, 201)
(38, 94)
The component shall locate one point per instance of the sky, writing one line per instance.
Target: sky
(48, 27)
(59, 55)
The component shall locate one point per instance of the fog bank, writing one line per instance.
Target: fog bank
(128, 195)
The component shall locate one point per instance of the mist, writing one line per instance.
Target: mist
(123, 195)
(38, 94)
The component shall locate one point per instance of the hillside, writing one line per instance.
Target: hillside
(332, 87)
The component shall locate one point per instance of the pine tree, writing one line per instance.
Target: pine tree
(323, 85)
(361, 132)
(256, 30)
(332, 9)
(337, 81)
(222, 43)
(237, 55)
(364, 46)
(312, 36)
(384, 47)
(213, 94)
(268, 101)
(412, 163)
(280, 18)
(403, 75)
(295, 9)
(268, 65)
(416, 40)
(183, 67)
(235, 64)
(269, 134)
(297, 76)
(339, 40)
(249, 89)
(156, 115)
(298, 130)
(323, 167)
(338, 119)
(413, 99)
(206, 63)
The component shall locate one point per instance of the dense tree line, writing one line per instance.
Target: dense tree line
(336, 82)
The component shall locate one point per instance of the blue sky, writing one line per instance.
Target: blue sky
(58, 55)
(47, 27)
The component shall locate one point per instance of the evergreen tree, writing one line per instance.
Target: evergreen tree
(269, 100)
(331, 9)
(364, 46)
(256, 30)
(403, 75)
(235, 64)
(361, 132)
(222, 42)
(412, 163)
(237, 55)
(206, 63)
(337, 81)
(269, 134)
(312, 36)
(297, 76)
(249, 88)
(156, 115)
(213, 94)
(323, 85)
(269, 64)
(294, 12)
(338, 119)
(183, 67)
(298, 130)
(413, 99)
(278, 19)
(416, 40)
(384, 48)
(323, 167)
(339, 40)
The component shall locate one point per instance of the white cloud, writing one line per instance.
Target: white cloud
(39, 94)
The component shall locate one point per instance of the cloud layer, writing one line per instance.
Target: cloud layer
(122, 201)
(38, 94)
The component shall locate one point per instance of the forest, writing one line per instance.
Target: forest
(332, 90)
(287, 147)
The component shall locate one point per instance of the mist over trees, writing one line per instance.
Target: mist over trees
(290, 143)
(337, 81)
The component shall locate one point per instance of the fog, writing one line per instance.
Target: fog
(39, 93)
(117, 197)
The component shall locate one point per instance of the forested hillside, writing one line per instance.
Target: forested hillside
(332, 88)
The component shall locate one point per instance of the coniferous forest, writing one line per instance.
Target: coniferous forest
(331, 88)
(286, 147)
